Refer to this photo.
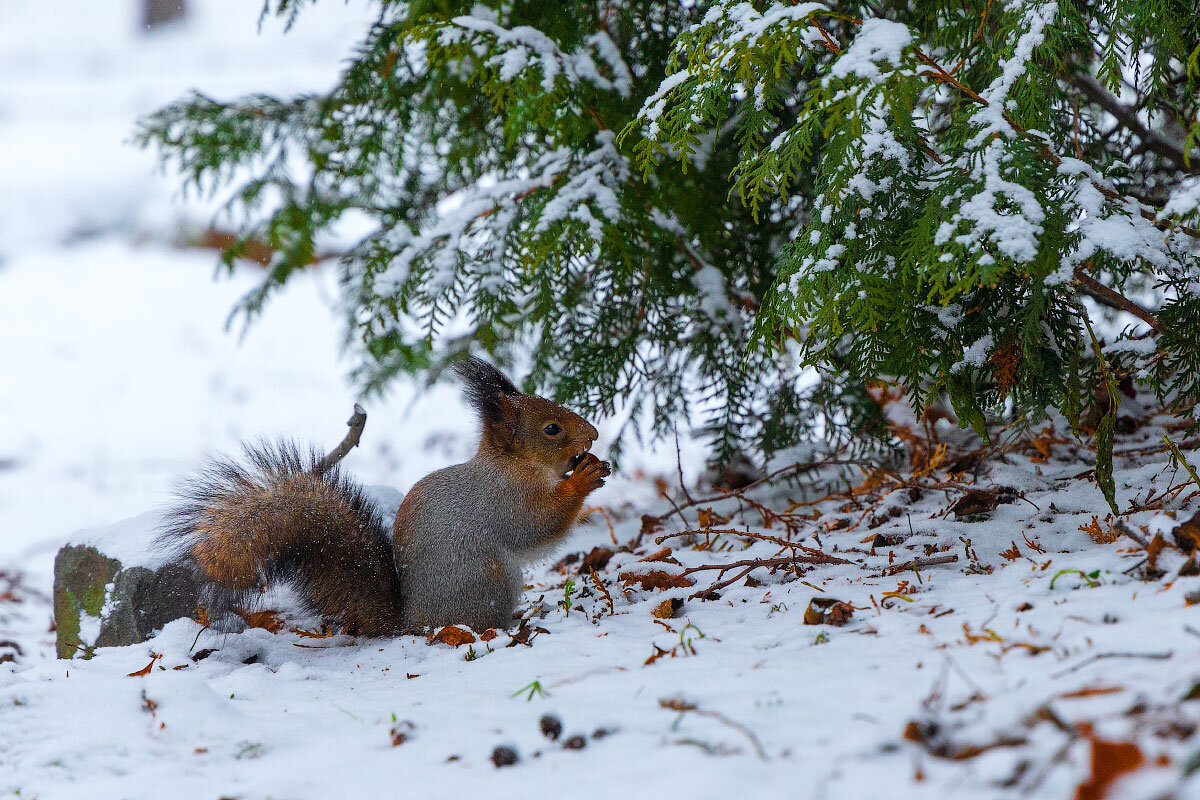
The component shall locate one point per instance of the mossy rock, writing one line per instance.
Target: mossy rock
(93, 592)
(81, 577)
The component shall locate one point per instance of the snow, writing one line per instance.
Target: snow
(878, 40)
(119, 377)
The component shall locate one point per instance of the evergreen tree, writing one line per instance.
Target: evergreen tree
(768, 205)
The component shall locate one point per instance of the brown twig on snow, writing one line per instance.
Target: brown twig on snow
(770, 563)
(746, 534)
(919, 563)
(683, 706)
(356, 422)
(719, 585)
(1100, 656)
(739, 493)
(1132, 534)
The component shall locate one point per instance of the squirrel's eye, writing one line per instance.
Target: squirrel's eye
(552, 429)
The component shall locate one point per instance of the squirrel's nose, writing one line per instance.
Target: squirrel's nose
(591, 432)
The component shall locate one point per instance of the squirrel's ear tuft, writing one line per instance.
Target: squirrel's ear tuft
(485, 387)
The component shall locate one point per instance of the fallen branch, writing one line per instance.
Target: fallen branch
(771, 563)
(919, 563)
(1100, 656)
(746, 534)
(797, 467)
(1132, 534)
(356, 422)
(683, 706)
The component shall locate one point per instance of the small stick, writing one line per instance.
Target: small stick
(735, 532)
(356, 422)
(782, 561)
(918, 563)
(722, 584)
(1132, 534)
(797, 467)
(683, 706)
(679, 468)
(1099, 656)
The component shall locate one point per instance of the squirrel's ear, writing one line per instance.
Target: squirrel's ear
(488, 390)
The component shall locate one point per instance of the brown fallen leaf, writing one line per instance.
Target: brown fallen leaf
(709, 518)
(1156, 546)
(650, 525)
(525, 634)
(937, 741)
(267, 620)
(154, 657)
(827, 611)
(401, 732)
(1187, 534)
(1110, 760)
(488, 635)
(453, 636)
(975, 501)
(667, 609)
(657, 579)
(597, 559)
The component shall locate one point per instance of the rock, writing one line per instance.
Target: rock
(100, 603)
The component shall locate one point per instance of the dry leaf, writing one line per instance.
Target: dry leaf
(1098, 534)
(1110, 760)
(597, 559)
(488, 635)
(710, 518)
(267, 620)
(667, 609)
(1155, 547)
(659, 555)
(650, 525)
(657, 579)
(154, 657)
(453, 636)
(401, 732)
(1187, 534)
(827, 611)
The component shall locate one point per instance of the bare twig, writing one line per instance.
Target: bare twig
(797, 467)
(356, 422)
(1127, 117)
(679, 468)
(1124, 528)
(683, 706)
(719, 585)
(1101, 656)
(745, 534)
(781, 561)
(1117, 300)
(919, 563)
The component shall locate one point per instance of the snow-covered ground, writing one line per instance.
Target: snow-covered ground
(973, 678)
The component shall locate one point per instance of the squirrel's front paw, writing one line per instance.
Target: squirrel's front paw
(591, 472)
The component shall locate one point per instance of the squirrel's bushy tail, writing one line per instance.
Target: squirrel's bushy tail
(278, 516)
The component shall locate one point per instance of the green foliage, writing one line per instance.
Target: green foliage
(760, 208)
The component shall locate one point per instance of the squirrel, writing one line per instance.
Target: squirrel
(460, 539)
